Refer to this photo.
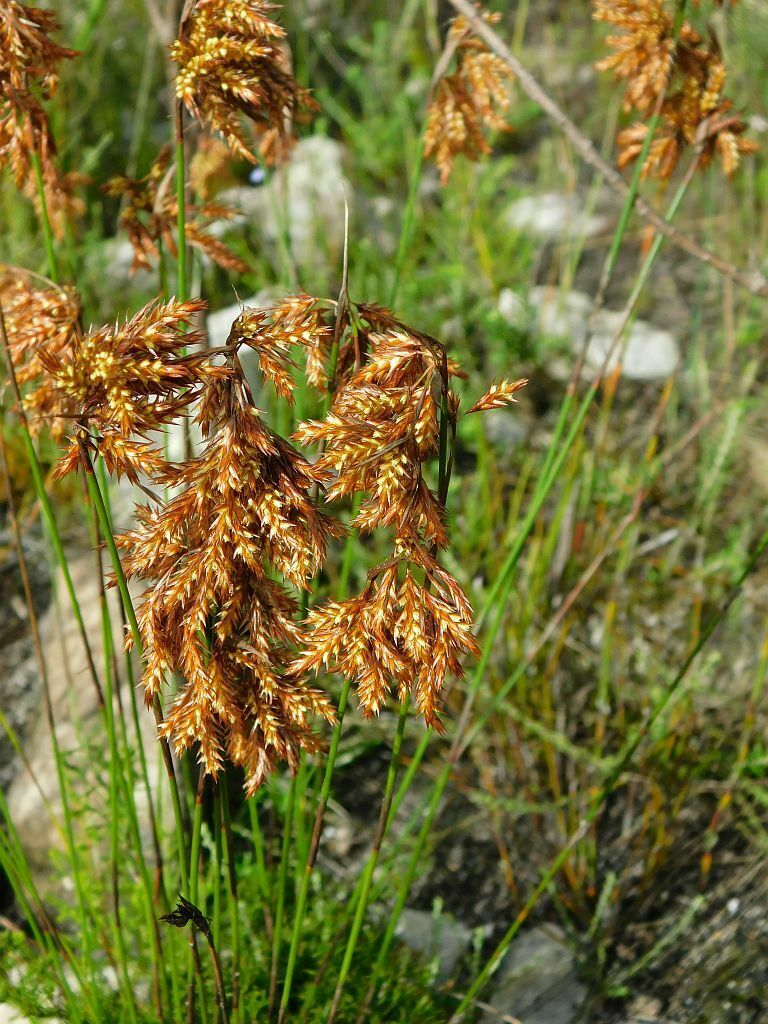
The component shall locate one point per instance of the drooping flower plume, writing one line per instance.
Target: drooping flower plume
(468, 103)
(232, 64)
(242, 513)
(681, 75)
(412, 623)
(29, 73)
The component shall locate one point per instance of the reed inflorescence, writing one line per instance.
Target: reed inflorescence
(232, 64)
(672, 71)
(29, 73)
(468, 102)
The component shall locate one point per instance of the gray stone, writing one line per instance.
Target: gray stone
(303, 200)
(553, 216)
(646, 352)
(536, 982)
(437, 937)
(77, 716)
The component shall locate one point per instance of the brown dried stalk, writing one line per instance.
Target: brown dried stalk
(29, 61)
(231, 63)
(149, 217)
(682, 77)
(468, 103)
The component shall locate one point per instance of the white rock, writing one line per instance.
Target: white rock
(304, 199)
(646, 352)
(561, 315)
(552, 216)
(512, 307)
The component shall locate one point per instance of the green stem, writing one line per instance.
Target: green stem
(122, 583)
(181, 214)
(238, 1008)
(301, 899)
(45, 220)
(282, 884)
(370, 867)
(622, 762)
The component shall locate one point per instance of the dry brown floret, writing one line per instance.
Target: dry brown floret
(241, 512)
(149, 213)
(40, 322)
(468, 103)
(232, 64)
(29, 61)
(130, 378)
(679, 75)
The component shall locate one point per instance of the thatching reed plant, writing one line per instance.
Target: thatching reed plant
(249, 639)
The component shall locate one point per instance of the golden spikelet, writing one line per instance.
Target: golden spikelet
(40, 324)
(232, 64)
(149, 213)
(411, 625)
(29, 72)
(468, 103)
(242, 513)
(498, 395)
(127, 379)
(680, 76)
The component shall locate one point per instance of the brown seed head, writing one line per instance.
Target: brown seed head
(29, 72)
(242, 512)
(231, 64)
(149, 214)
(468, 103)
(40, 324)
(682, 77)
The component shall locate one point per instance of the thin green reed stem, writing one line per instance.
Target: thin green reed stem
(370, 867)
(194, 972)
(282, 884)
(238, 1008)
(409, 216)
(181, 214)
(122, 583)
(258, 849)
(45, 220)
(130, 679)
(622, 762)
(116, 789)
(301, 898)
(218, 857)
